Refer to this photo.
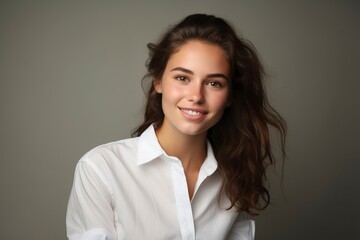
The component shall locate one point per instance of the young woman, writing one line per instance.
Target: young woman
(196, 168)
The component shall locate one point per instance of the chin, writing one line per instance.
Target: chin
(193, 131)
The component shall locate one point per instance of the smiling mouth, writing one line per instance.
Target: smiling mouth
(192, 112)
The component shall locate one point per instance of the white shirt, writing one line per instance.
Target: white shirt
(131, 189)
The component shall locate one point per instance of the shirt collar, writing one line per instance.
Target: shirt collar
(149, 149)
(210, 164)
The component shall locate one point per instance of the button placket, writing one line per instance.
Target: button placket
(183, 204)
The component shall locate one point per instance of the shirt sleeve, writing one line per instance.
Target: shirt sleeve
(89, 214)
(243, 228)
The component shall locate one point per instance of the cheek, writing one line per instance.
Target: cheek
(171, 93)
(220, 101)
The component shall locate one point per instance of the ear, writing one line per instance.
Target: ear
(157, 86)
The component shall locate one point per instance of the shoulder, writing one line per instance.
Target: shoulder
(104, 166)
(110, 154)
(123, 154)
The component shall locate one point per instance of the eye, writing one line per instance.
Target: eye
(215, 84)
(181, 78)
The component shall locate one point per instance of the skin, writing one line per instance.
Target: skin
(195, 92)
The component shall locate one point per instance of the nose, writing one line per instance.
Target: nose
(196, 93)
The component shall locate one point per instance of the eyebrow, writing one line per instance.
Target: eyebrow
(213, 75)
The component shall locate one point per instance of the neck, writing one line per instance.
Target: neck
(191, 150)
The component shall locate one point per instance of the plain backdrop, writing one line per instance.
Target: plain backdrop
(70, 79)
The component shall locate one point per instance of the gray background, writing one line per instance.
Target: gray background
(70, 79)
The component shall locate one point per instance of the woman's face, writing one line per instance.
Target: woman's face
(195, 88)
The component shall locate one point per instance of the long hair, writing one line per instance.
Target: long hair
(241, 138)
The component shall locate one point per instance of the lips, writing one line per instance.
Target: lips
(193, 113)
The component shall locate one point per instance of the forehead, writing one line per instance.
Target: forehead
(198, 55)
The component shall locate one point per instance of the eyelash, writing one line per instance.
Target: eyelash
(181, 78)
(214, 84)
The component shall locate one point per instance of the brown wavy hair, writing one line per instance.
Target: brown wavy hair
(241, 138)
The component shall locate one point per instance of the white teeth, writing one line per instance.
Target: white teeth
(192, 113)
